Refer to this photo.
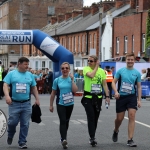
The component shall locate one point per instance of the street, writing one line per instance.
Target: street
(45, 136)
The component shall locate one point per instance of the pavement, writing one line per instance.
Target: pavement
(45, 136)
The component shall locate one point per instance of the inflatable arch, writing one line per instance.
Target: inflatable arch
(47, 45)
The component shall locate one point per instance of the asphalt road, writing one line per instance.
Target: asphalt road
(45, 136)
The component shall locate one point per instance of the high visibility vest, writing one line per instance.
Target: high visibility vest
(109, 76)
(1, 70)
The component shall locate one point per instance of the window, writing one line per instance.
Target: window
(43, 65)
(143, 42)
(95, 41)
(50, 64)
(91, 41)
(117, 45)
(83, 43)
(125, 44)
(79, 43)
(51, 10)
(132, 43)
(36, 65)
(77, 63)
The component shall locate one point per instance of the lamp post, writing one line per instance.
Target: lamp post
(20, 26)
(100, 30)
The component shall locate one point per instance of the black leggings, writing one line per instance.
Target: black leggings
(92, 115)
(64, 114)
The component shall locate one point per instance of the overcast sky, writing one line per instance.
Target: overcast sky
(89, 2)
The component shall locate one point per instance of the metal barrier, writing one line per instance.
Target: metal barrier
(80, 84)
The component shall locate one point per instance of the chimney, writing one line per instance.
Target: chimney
(119, 3)
(144, 5)
(75, 13)
(86, 11)
(94, 8)
(53, 20)
(60, 18)
(133, 4)
(68, 15)
(108, 4)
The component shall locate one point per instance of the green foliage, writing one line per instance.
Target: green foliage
(147, 43)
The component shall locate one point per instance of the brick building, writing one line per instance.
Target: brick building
(129, 31)
(35, 14)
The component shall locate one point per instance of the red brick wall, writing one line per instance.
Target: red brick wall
(128, 26)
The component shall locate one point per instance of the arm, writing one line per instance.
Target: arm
(113, 84)
(35, 93)
(52, 100)
(6, 92)
(139, 93)
(106, 91)
(92, 74)
(74, 86)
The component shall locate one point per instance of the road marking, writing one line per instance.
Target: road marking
(41, 124)
(78, 121)
(82, 121)
(75, 122)
(146, 125)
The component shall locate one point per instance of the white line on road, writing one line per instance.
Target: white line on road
(146, 125)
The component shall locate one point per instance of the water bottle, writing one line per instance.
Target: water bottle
(106, 105)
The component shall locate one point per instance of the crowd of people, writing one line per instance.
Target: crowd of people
(21, 82)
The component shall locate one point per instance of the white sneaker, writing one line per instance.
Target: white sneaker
(64, 144)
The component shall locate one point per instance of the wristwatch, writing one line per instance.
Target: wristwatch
(107, 97)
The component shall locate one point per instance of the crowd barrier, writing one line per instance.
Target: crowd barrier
(80, 84)
(145, 86)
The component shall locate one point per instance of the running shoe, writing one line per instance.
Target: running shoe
(131, 143)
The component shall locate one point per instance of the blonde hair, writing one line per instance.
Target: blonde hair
(94, 57)
(65, 63)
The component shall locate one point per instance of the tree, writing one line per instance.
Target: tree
(147, 43)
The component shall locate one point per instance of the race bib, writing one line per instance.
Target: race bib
(67, 98)
(21, 88)
(126, 87)
(95, 88)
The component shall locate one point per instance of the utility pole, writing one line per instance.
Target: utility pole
(21, 26)
(100, 29)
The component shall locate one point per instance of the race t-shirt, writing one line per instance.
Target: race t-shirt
(128, 80)
(64, 85)
(93, 85)
(20, 84)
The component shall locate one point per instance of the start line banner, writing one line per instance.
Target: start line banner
(16, 37)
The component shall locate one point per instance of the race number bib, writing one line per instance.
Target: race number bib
(21, 88)
(67, 98)
(126, 87)
(3, 123)
(95, 88)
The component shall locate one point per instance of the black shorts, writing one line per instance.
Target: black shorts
(126, 102)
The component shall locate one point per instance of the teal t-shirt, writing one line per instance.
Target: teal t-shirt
(128, 80)
(20, 83)
(65, 96)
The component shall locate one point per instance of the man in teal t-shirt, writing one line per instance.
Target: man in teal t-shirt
(20, 82)
(128, 79)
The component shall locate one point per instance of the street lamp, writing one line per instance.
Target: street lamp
(20, 26)
(100, 30)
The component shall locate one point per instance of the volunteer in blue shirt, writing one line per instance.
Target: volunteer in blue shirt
(128, 79)
(64, 86)
(20, 82)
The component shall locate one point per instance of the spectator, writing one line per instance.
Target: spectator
(143, 76)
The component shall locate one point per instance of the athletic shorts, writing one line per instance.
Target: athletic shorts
(126, 102)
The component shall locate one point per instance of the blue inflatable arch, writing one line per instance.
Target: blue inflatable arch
(47, 45)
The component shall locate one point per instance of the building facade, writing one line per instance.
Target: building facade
(29, 14)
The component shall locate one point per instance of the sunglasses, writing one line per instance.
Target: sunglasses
(64, 68)
(90, 61)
